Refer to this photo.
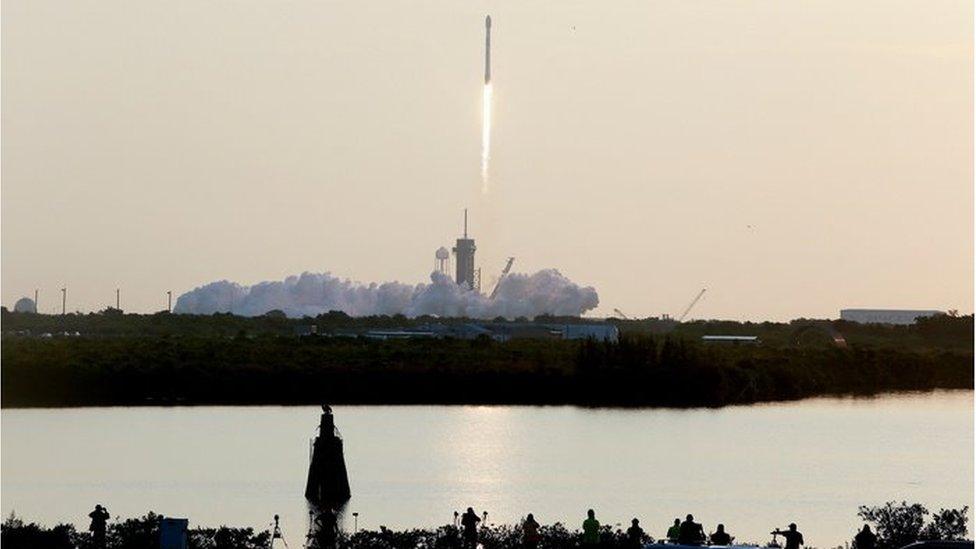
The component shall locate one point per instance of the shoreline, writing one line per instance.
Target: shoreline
(636, 372)
(851, 397)
(612, 535)
(170, 360)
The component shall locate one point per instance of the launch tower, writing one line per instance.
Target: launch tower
(464, 253)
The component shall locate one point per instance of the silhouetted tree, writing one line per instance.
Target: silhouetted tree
(898, 524)
(15, 534)
(947, 524)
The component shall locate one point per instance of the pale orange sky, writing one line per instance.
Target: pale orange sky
(794, 157)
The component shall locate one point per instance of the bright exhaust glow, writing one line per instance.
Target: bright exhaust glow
(485, 138)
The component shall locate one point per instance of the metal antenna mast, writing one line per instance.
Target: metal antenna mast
(692, 304)
(508, 267)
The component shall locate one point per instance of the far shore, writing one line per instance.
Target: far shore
(115, 359)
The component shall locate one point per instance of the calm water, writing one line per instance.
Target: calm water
(751, 467)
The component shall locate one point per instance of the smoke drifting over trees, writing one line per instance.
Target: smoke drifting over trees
(310, 294)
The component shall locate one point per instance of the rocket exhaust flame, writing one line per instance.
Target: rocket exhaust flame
(485, 138)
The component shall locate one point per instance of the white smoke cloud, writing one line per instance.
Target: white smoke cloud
(310, 294)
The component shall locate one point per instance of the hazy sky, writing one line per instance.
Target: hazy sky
(793, 157)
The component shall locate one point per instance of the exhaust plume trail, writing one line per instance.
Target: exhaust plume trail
(485, 138)
(486, 110)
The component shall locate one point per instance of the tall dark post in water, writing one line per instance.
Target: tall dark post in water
(328, 483)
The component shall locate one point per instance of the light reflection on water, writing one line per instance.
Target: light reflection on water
(751, 467)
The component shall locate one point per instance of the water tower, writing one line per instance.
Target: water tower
(441, 257)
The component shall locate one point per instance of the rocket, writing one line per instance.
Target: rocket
(488, 49)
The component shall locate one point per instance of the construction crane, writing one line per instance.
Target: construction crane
(621, 314)
(508, 267)
(692, 304)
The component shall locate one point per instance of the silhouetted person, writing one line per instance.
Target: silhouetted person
(98, 519)
(675, 531)
(591, 530)
(794, 539)
(720, 537)
(530, 532)
(469, 520)
(635, 535)
(865, 539)
(691, 533)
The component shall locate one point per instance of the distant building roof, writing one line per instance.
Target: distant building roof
(886, 316)
(607, 332)
(730, 339)
(502, 331)
(397, 334)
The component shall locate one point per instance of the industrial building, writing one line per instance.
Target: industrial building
(730, 339)
(886, 316)
(500, 331)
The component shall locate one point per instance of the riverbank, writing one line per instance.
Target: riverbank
(639, 370)
(894, 525)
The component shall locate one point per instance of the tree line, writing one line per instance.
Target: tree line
(939, 332)
(637, 370)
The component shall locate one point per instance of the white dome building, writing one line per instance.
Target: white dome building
(25, 305)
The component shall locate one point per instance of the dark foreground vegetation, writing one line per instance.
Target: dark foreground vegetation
(896, 525)
(177, 365)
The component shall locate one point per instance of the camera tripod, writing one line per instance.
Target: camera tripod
(276, 534)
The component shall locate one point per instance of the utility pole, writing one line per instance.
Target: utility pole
(118, 301)
(35, 301)
(64, 301)
(169, 301)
